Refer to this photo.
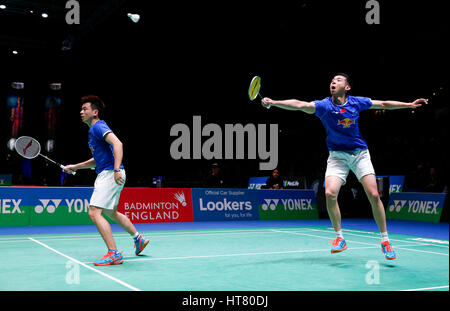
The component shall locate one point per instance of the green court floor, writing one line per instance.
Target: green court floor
(236, 259)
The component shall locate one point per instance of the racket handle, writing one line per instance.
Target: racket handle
(268, 106)
(63, 167)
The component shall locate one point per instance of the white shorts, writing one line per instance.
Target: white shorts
(106, 192)
(341, 162)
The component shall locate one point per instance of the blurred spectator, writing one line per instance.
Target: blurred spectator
(275, 181)
(215, 179)
(433, 181)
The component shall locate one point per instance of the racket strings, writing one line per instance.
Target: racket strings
(27, 147)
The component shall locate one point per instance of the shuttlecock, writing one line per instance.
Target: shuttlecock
(134, 17)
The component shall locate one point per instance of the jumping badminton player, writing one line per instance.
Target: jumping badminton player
(107, 154)
(348, 150)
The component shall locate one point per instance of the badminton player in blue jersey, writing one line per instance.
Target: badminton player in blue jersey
(348, 150)
(107, 155)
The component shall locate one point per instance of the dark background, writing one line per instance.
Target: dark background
(186, 58)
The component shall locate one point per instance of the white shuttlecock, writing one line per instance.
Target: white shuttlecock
(134, 17)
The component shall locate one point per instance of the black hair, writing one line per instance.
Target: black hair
(347, 77)
(96, 103)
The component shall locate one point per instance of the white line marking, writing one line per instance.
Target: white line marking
(86, 266)
(425, 288)
(318, 236)
(421, 251)
(397, 247)
(245, 254)
(125, 235)
(242, 254)
(365, 236)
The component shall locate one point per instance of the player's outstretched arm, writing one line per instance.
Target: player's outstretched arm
(391, 104)
(290, 104)
(73, 167)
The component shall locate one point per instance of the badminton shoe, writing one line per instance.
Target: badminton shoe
(140, 243)
(387, 250)
(111, 258)
(338, 245)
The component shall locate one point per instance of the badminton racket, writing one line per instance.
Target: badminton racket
(30, 148)
(254, 88)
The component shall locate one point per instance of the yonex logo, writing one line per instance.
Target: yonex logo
(45, 204)
(288, 204)
(10, 206)
(398, 205)
(270, 203)
(415, 206)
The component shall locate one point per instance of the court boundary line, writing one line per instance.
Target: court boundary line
(239, 254)
(295, 231)
(86, 266)
(200, 232)
(372, 237)
(265, 230)
(398, 247)
(121, 234)
(125, 235)
(246, 254)
(425, 288)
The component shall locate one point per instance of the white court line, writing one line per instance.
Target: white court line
(240, 254)
(221, 232)
(421, 251)
(425, 288)
(245, 254)
(316, 236)
(377, 238)
(153, 233)
(86, 266)
(149, 234)
(398, 247)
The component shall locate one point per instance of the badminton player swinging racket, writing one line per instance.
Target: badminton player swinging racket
(348, 150)
(107, 154)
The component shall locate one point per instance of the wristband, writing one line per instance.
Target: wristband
(116, 171)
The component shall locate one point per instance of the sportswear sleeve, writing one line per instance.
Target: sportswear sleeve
(364, 103)
(320, 107)
(101, 130)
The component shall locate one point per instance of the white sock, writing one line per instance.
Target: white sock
(339, 234)
(135, 235)
(384, 236)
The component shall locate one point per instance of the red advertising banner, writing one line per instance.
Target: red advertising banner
(149, 205)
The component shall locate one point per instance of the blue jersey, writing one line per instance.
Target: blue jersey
(101, 150)
(341, 122)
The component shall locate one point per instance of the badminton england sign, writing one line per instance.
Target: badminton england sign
(212, 148)
(150, 205)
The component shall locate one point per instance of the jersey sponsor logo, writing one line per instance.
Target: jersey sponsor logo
(346, 123)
